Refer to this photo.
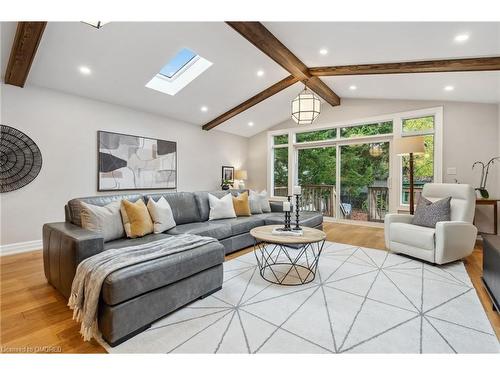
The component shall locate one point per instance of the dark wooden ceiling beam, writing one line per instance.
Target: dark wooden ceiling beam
(429, 66)
(263, 39)
(270, 91)
(22, 54)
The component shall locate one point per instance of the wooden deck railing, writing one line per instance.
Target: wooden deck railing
(314, 198)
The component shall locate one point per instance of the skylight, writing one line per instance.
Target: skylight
(182, 69)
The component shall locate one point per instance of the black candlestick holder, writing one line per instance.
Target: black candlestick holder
(288, 218)
(297, 212)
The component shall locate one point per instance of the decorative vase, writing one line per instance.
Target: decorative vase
(483, 193)
(225, 187)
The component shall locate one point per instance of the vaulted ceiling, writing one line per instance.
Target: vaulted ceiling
(123, 57)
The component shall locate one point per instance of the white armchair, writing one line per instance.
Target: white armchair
(449, 241)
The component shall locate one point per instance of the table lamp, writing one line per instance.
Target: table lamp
(241, 175)
(410, 146)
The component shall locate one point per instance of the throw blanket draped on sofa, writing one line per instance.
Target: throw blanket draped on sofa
(91, 273)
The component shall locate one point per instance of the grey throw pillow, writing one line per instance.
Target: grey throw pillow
(105, 220)
(429, 213)
(254, 202)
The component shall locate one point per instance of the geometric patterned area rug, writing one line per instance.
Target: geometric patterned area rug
(361, 301)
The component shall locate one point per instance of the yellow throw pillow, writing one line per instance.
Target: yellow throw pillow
(241, 205)
(136, 219)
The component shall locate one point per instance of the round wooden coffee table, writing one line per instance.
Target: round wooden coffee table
(287, 260)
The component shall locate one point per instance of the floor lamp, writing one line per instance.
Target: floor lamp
(410, 146)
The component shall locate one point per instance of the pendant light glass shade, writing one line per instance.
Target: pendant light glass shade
(376, 149)
(306, 107)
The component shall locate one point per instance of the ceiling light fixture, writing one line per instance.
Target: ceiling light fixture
(204, 108)
(323, 51)
(250, 123)
(449, 88)
(353, 87)
(306, 107)
(85, 70)
(460, 38)
(260, 73)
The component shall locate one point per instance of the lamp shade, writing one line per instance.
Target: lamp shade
(409, 145)
(240, 174)
(306, 107)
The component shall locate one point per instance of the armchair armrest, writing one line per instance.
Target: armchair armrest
(65, 245)
(394, 218)
(454, 240)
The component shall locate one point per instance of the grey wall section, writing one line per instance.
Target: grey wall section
(65, 129)
(471, 132)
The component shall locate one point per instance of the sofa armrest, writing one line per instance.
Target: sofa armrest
(454, 240)
(65, 245)
(394, 218)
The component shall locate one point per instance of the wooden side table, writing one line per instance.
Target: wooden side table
(494, 203)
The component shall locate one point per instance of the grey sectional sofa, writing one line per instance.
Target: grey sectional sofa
(134, 297)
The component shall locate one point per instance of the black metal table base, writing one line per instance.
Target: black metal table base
(288, 264)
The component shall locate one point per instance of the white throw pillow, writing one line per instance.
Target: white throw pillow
(106, 220)
(264, 200)
(221, 208)
(162, 215)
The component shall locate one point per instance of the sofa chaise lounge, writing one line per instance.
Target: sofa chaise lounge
(134, 297)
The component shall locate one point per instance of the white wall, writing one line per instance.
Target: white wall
(471, 132)
(65, 129)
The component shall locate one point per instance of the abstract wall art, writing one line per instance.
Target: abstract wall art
(128, 162)
(20, 159)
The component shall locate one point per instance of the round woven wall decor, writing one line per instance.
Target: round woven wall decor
(20, 159)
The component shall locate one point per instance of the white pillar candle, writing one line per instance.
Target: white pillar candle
(286, 206)
(297, 190)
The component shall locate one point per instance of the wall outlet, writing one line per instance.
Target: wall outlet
(451, 171)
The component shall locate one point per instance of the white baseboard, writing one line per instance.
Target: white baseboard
(20, 247)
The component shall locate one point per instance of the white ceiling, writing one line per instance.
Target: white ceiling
(125, 56)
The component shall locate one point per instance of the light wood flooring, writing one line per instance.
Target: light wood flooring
(34, 316)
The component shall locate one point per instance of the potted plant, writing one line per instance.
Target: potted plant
(226, 184)
(484, 176)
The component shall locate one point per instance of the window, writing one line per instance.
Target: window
(424, 163)
(319, 135)
(281, 139)
(181, 70)
(366, 130)
(178, 62)
(280, 172)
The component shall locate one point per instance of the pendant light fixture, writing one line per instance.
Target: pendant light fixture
(306, 107)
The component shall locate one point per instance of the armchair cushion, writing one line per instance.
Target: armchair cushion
(413, 235)
(429, 213)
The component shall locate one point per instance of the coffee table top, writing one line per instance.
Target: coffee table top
(264, 233)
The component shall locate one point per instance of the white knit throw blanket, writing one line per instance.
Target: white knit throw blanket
(91, 272)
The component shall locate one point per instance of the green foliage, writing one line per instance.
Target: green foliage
(281, 139)
(367, 129)
(418, 124)
(320, 135)
(317, 166)
(280, 167)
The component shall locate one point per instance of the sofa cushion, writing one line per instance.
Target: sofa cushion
(413, 235)
(183, 206)
(136, 219)
(74, 206)
(141, 278)
(216, 230)
(201, 198)
(222, 208)
(429, 213)
(307, 219)
(105, 220)
(161, 214)
(240, 225)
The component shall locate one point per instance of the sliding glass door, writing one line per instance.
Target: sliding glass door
(364, 175)
(316, 174)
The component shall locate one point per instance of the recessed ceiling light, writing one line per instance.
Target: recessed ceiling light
(250, 123)
(260, 73)
(462, 38)
(204, 108)
(85, 70)
(449, 88)
(353, 87)
(323, 51)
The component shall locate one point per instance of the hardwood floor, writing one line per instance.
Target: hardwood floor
(34, 316)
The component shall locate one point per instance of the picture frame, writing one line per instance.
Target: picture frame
(131, 162)
(227, 173)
